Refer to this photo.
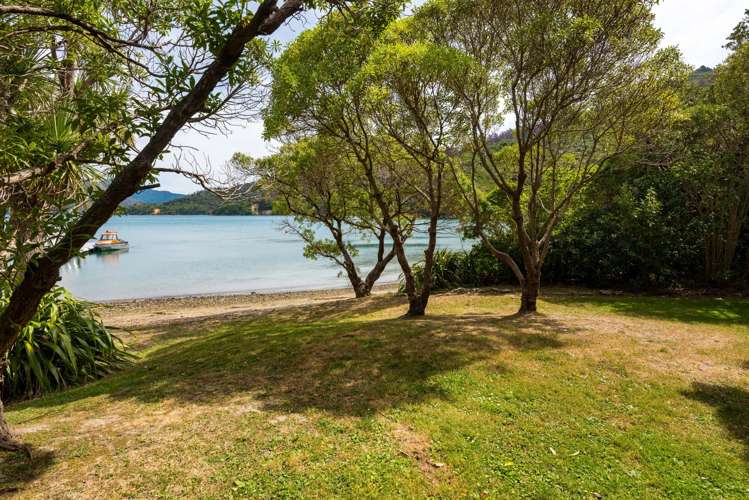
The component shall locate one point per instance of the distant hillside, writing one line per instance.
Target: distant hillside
(151, 196)
(702, 76)
(205, 203)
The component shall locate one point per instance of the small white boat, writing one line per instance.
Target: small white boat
(110, 241)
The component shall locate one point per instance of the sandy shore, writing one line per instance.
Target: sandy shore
(148, 313)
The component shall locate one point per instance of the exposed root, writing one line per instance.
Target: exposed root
(8, 443)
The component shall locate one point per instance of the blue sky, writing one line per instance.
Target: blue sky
(698, 27)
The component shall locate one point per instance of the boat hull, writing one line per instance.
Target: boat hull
(114, 247)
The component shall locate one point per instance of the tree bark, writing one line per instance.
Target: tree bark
(417, 305)
(43, 272)
(375, 273)
(529, 294)
(362, 287)
(418, 296)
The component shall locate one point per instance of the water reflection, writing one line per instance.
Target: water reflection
(112, 258)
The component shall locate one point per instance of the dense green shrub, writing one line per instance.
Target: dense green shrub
(631, 229)
(633, 232)
(460, 269)
(65, 344)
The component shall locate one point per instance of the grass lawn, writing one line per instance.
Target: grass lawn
(596, 396)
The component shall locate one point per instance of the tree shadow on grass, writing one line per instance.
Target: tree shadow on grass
(687, 310)
(22, 470)
(732, 408)
(323, 358)
(186, 328)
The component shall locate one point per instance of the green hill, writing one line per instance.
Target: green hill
(206, 203)
(702, 76)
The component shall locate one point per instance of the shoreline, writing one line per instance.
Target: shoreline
(244, 293)
(144, 313)
(158, 312)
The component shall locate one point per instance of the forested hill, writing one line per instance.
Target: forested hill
(152, 196)
(702, 76)
(205, 203)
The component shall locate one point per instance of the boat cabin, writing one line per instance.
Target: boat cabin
(109, 236)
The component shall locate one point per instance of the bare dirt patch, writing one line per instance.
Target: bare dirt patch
(417, 447)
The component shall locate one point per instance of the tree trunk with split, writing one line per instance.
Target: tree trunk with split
(418, 293)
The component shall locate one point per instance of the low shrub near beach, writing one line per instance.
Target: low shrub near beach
(65, 344)
(460, 269)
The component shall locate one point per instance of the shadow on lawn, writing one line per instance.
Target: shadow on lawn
(322, 357)
(688, 310)
(732, 408)
(23, 471)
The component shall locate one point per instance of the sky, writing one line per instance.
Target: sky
(698, 27)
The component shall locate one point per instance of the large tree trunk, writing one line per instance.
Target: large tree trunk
(529, 293)
(418, 295)
(417, 305)
(416, 302)
(43, 272)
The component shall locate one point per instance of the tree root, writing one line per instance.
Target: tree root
(8, 443)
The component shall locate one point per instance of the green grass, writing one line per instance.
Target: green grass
(619, 397)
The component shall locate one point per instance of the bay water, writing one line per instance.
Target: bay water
(193, 255)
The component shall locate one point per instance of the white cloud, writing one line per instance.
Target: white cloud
(698, 27)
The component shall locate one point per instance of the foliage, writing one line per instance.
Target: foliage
(715, 165)
(64, 113)
(64, 345)
(740, 34)
(633, 227)
(474, 268)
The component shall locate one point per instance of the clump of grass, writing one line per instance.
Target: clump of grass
(65, 344)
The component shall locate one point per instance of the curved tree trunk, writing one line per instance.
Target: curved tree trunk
(417, 305)
(362, 287)
(378, 269)
(43, 272)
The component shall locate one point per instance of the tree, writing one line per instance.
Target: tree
(63, 111)
(319, 186)
(740, 34)
(716, 167)
(415, 122)
(322, 87)
(189, 61)
(580, 79)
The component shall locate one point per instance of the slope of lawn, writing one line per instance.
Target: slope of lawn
(596, 396)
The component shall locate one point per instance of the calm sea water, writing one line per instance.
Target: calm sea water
(184, 255)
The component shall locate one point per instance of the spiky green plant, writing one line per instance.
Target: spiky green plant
(448, 270)
(65, 344)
